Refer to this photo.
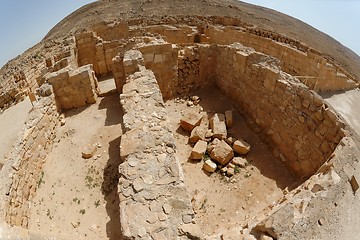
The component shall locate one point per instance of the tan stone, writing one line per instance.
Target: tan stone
(265, 237)
(229, 118)
(209, 166)
(218, 126)
(239, 161)
(198, 133)
(199, 150)
(222, 153)
(241, 147)
(89, 151)
(190, 121)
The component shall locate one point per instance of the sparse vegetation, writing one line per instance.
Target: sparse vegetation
(41, 179)
(82, 211)
(97, 203)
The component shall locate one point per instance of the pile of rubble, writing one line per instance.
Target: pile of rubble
(212, 143)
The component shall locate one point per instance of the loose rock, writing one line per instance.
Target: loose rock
(199, 150)
(239, 161)
(89, 151)
(241, 147)
(222, 153)
(209, 166)
(190, 121)
(218, 126)
(229, 118)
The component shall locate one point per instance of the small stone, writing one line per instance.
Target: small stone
(192, 231)
(199, 150)
(223, 170)
(167, 208)
(62, 122)
(141, 232)
(321, 221)
(187, 218)
(230, 172)
(239, 161)
(230, 165)
(265, 237)
(98, 145)
(230, 140)
(241, 147)
(190, 103)
(198, 133)
(209, 166)
(190, 121)
(209, 134)
(229, 118)
(89, 151)
(138, 185)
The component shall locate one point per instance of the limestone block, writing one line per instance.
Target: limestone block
(199, 150)
(241, 147)
(198, 133)
(229, 118)
(222, 153)
(209, 166)
(218, 126)
(190, 121)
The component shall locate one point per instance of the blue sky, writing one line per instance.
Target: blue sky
(23, 23)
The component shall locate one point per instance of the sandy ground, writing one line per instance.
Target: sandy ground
(77, 198)
(228, 202)
(11, 122)
(347, 104)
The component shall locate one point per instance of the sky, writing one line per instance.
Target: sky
(23, 23)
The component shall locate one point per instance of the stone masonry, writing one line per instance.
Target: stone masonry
(154, 202)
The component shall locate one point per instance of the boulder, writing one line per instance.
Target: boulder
(212, 145)
(209, 166)
(222, 153)
(239, 161)
(199, 150)
(218, 126)
(241, 147)
(89, 151)
(229, 118)
(190, 121)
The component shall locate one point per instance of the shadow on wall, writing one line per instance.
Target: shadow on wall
(114, 111)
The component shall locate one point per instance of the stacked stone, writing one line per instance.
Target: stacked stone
(24, 163)
(154, 202)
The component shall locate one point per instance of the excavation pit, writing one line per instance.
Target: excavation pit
(221, 202)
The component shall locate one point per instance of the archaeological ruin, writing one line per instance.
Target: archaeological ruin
(178, 125)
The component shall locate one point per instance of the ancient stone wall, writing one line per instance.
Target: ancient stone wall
(22, 173)
(154, 202)
(74, 88)
(305, 130)
(315, 71)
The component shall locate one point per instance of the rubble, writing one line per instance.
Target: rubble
(190, 121)
(199, 150)
(218, 126)
(209, 166)
(241, 147)
(222, 153)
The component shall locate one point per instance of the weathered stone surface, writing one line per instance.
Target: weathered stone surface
(192, 231)
(239, 161)
(198, 133)
(229, 118)
(190, 121)
(89, 151)
(222, 153)
(199, 150)
(209, 166)
(265, 237)
(218, 126)
(241, 147)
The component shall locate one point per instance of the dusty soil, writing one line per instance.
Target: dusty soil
(77, 198)
(12, 121)
(225, 202)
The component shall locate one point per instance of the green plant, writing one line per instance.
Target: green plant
(48, 213)
(82, 211)
(76, 200)
(206, 156)
(236, 169)
(97, 203)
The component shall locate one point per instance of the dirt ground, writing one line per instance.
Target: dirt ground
(226, 202)
(77, 198)
(12, 121)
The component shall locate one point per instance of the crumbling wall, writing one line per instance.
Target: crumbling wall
(154, 202)
(74, 88)
(311, 67)
(305, 130)
(22, 173)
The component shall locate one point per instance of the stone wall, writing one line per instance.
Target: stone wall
(154, 202)
(22, 174)
(295, 119)
(311, 67)
(74, 88)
